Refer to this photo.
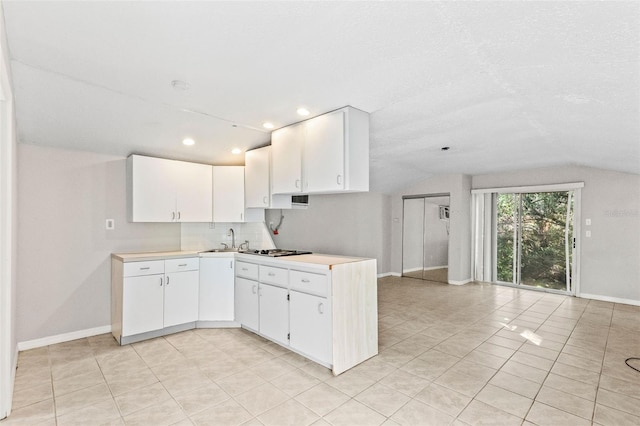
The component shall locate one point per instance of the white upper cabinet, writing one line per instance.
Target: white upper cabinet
(323, 159)
(151, 189)
(228, 194)
(194, 192)
(162, 190)
(323, 155)
(256, 178)
(286, 159)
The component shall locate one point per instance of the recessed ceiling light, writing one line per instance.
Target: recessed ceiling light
(267, 125)
(180, 85)
(188, 141)
(445, 148)
(303, 111)
(236, 151)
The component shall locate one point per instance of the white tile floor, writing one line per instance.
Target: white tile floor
(473, 354)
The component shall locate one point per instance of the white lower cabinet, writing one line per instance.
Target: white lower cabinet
(274, 313)
(247, 304)
(142, 304)
(149, 296)
(181, 298)
(310, 326)
(216, 289)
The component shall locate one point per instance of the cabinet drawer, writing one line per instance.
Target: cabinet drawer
(247, 270)
(178, 265)
(275, 276)
(151, 267)
(307, 282)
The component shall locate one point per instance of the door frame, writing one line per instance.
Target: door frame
(576, 187)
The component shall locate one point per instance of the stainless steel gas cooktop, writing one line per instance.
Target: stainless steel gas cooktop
(277, 252)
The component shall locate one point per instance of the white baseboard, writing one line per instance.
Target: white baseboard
(60, 338)
(610, 299)
(463, 282)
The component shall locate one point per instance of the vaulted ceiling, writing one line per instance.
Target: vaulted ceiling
(505, 85)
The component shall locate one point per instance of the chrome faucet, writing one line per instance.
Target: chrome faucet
(233, 237)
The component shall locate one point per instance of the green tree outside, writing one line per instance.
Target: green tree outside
(540, 218)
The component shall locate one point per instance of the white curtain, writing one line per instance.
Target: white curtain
(483, 240)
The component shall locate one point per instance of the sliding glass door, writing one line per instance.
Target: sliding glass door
(534, 241)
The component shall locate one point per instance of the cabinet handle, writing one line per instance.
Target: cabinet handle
(173, 215)
(145, 268)
(297, 183)
(231, 264)
(253, 289)
(241, 219)
(271, 274)
(178, 215)
(339, 179)
(304, 280)
(160, 281)
(182, 264)
(265, 200)
(245, 269)
(321, 308)
(167, 280)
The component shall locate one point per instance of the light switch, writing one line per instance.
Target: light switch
(588, 234)
(111, 224)
(587, 222)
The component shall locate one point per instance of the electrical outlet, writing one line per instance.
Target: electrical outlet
(587, 222)
(588, 234)
(110, 224)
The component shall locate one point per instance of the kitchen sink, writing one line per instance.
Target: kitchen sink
(224, 250)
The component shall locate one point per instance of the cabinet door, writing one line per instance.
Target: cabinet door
(142, 304)
(194, 192)
(228, 193)
(324, 153)
(311, 326)
(286, 159)
(152, 189)
(256, 178)
(246, 303)
(216, 289)
(181, 298)
(274, 313)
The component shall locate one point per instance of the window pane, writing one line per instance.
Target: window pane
(506, 208)
(543, 260)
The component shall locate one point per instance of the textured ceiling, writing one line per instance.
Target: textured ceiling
(507, 85)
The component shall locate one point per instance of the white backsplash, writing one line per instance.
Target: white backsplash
(207, 236)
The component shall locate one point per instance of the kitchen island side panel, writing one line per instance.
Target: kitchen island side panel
(117, 272)
(355, 313)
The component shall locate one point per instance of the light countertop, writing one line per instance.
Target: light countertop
(326, 260)
(154, 255)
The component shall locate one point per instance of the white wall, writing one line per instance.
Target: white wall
(459, 189)
(610, 259)
(64, 198)
(344, 224)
